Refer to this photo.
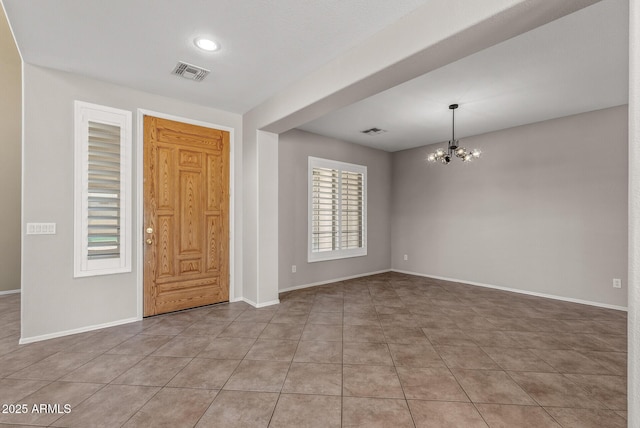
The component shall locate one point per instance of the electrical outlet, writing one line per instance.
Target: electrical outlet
(617, 283)
(406, 257)
(293, 268)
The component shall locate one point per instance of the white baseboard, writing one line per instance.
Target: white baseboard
(516, 290)
(258, 305)
(25, 340)
(3, 293)
(313, 284)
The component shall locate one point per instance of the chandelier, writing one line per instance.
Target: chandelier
(454, 149)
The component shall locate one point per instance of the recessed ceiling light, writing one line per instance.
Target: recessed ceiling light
(206, 44)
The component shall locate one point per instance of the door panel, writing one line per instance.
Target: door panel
(186, 214)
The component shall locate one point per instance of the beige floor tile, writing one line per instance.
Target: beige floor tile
(363, 333)
(537, 340)
(430, 384)
(272, 350)
(402, 319)
(449, 337)
(290, 317)
(439, 414)
(249, 330)
(208, 328)
(322, 332)
(152, 371)
(359, 307)
(239, 409)
(332, 318)
(554, 389)
(495, 339)
(206, 373)
(418, 354)
(366, 353)
(256, 315)
(510, 416)
(282, 331)
(570, 361)
(264, 376)
(227, 348)
(183, 346)
(55, 366)
(465, 357)
(17, 360)
(610, 390)
(13, 390)
(318, 352)
(142, 344)
(371, 381)
(517, 359)
(618, 343)
(110, 407)
(312, 378)
(309, 411)
(361, 319)
(587, 418)
(491, 386)
(166, 328)
(174, 407)
(100, 342)
(103, 369)
(614, 361)
(435, 322)
(404, 335)
(375, 413)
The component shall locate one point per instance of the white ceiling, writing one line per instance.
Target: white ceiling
(266, 44)
(575, 64)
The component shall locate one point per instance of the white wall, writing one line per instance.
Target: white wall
(633, 377)
(10, 157)
(544, 210)
(295, 147)
(53, 301)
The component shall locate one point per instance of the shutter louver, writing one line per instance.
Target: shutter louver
(325, 209)
(104, 199)
(337, 202)
(351, 210)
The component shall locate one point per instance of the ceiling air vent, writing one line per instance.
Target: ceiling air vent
(373, 131)
(190, 71)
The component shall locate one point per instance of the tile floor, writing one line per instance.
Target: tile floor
(386, 350)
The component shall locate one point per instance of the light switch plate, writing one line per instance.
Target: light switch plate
(41, 228)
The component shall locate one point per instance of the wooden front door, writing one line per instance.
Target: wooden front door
(186, 216)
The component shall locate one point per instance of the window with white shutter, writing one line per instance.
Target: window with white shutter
(102, 194)
(337, 210)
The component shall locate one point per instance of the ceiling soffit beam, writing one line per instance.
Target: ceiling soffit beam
(436, 34)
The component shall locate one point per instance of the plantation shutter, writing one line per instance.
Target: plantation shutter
(351, 210)
(325, 218)
(104, 199)
(337, 209)
(102, 184)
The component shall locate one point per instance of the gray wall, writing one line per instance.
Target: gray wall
(295, 147)
(544, 210)
(53, 301)
(10, 133)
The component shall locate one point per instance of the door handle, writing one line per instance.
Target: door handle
(149, 241)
